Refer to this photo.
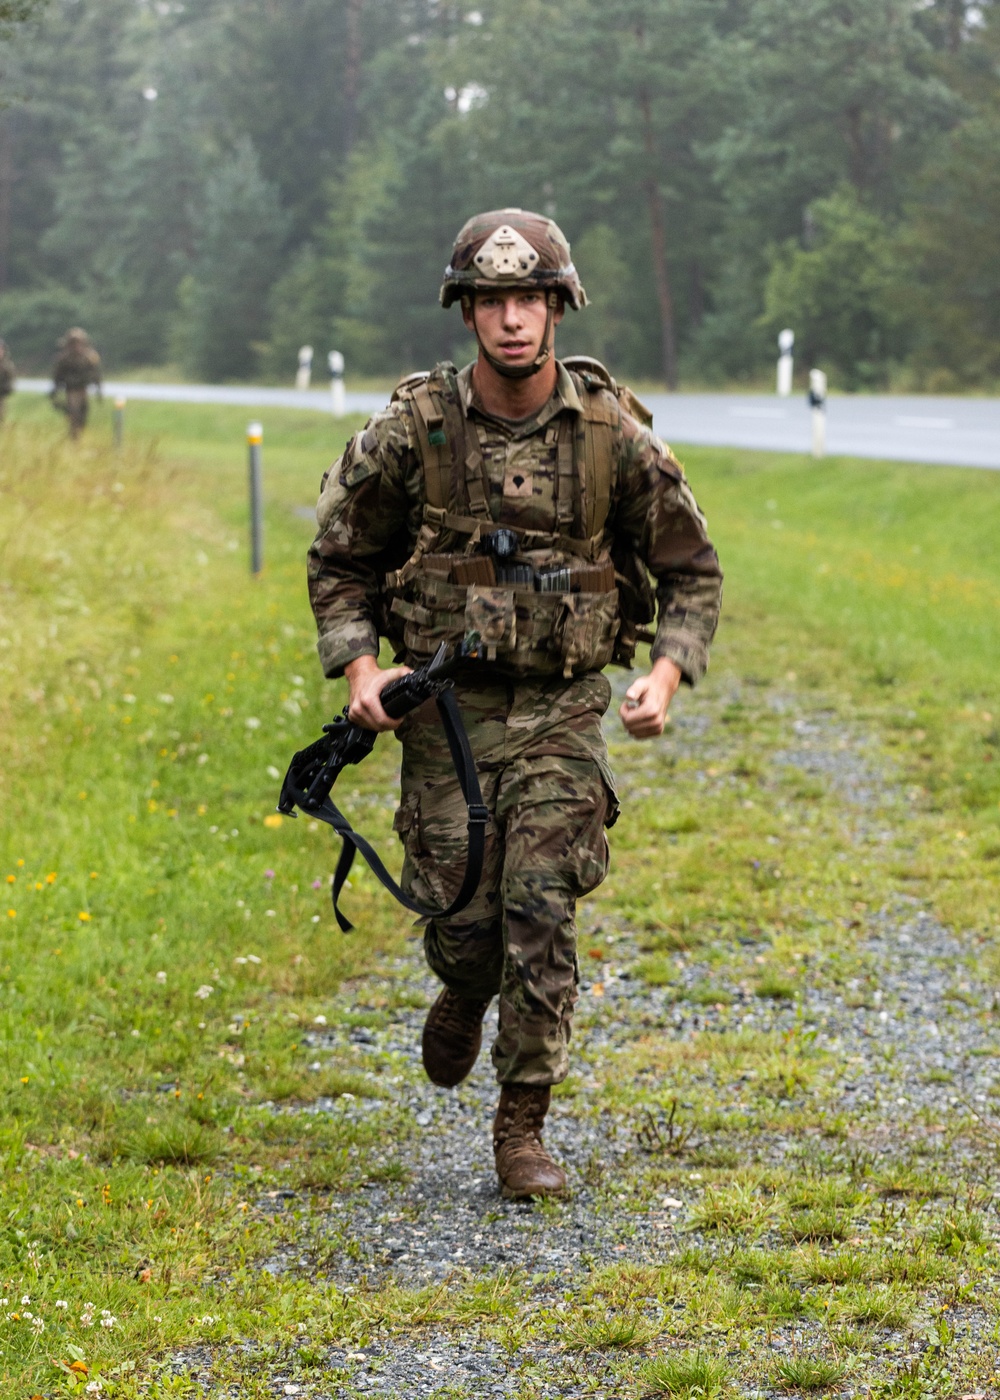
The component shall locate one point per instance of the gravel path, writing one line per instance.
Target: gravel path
(908, 1048)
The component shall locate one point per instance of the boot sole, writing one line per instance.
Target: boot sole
(509, 1194)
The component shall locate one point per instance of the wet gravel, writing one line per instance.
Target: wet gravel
(908, 1047)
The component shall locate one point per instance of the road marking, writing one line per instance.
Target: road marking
(910, 421)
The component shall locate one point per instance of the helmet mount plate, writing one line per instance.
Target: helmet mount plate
(506, 254)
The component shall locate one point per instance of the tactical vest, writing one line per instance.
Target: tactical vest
(559, 602)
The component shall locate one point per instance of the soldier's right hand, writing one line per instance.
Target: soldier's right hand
(366, 681)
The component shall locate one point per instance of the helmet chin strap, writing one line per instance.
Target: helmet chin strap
(517, 371)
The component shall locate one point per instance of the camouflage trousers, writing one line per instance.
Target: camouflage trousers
(546, 782)
(77, 408)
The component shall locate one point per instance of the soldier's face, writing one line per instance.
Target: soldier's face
(511, 324)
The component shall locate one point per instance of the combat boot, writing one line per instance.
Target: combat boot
(453, 1033)
(523, 1165)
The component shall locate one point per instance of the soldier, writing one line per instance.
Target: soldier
(77, 365)
(516, 504)
(8, 376)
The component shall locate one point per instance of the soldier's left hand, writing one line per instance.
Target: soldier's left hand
(644, 709)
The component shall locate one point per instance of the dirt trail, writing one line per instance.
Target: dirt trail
(905, 1046)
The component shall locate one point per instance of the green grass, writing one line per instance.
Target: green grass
(168, 949)
(687, 1376)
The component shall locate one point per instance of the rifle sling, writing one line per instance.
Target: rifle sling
(465, 769)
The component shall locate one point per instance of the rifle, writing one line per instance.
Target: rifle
(314, 770)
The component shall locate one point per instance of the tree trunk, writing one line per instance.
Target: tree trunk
(658, 241)
(6, 197)
(352, 74)
(955, 25)
(697, 301)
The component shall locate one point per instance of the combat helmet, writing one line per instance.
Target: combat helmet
(513, 249)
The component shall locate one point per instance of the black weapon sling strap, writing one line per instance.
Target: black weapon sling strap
(468, 778)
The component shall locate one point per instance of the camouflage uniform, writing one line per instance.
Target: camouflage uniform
(538, 743)
(8, 376)
(75, 368)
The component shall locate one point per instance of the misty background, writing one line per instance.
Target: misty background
(212, 183)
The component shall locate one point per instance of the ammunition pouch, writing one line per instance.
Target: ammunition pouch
(525, 627)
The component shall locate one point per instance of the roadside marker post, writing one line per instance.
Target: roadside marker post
(304, 372)
(118, 422)
(335, 360)
(255, 440)
(817, 402)
(786, 341)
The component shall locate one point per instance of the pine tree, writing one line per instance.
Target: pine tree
(238, 247)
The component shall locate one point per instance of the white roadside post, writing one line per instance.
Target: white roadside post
(255, 439)
(304, 372)
(817, 402)
(336, 362)
(786, 340)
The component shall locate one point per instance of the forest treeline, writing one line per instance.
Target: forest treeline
(215, 182)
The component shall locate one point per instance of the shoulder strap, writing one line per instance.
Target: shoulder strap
(596, 445)
(435, 457)
(452, 459)
(594, 374)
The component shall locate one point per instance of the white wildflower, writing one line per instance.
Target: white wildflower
(252, 722)
(165, 699)
(61, 1303)
(204, 991)
(161, 977)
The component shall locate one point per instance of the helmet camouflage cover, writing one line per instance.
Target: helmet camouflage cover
(511, 248)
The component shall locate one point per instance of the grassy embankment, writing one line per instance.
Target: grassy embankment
(165, 943)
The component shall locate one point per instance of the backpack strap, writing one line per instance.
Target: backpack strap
(597, 445)
(567, 487)
(435, 451)
(450, 452)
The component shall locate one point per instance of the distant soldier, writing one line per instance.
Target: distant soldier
(8, 374)
(77, 365)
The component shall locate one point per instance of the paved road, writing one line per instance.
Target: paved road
(957, 431)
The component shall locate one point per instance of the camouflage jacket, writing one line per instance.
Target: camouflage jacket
(371, 506)
(73, 369)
